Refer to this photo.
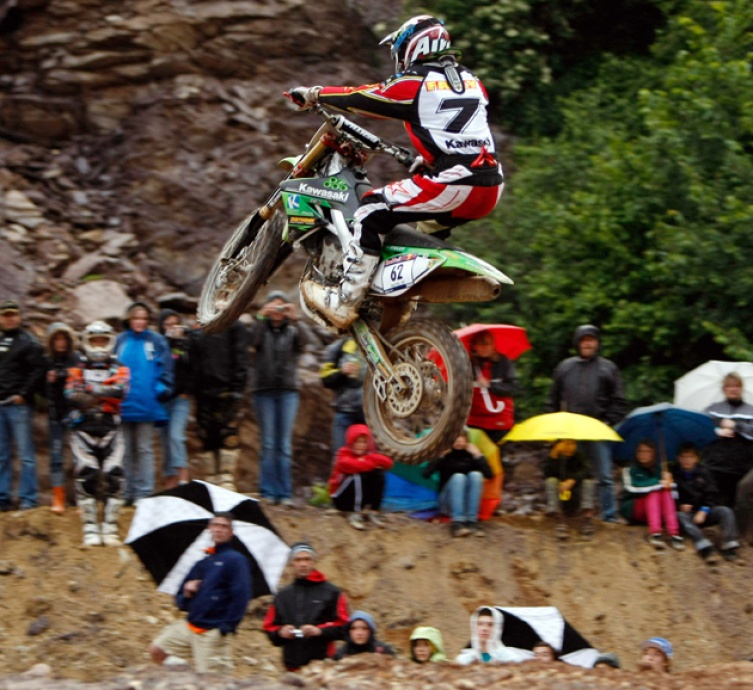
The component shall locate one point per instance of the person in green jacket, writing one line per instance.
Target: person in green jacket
(426, 645)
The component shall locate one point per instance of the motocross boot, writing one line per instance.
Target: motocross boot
(340, 305)
(110, 524)
(88, 507)
(228, 464)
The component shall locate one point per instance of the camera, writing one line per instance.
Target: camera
(281, 308)
(297, 632)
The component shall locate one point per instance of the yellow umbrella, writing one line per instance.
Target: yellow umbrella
(556, 425)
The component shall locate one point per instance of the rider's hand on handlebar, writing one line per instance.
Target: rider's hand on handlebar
(418, 166)
(304, 97)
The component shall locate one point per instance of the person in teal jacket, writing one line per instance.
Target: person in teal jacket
(147, 356)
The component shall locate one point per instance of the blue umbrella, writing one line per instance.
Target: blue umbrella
(667, 426)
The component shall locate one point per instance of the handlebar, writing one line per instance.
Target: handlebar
(363, 136)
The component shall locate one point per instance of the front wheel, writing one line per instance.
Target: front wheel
(423, 419)
(246, 261)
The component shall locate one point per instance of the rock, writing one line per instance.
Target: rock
(99, 299)
(38, 626)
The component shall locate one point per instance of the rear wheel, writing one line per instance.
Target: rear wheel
(246, 261)
(423, 419)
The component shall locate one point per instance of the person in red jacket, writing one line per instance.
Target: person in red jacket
(494, 386)
(357, 482)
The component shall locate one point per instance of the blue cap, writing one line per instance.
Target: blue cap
(664, 646)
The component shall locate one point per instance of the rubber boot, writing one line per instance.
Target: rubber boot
(110, 524)
(88, 508)
(340, 306)
(228, 465)
(58, 500)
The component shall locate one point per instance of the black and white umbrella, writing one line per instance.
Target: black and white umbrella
(524, 626)
(169, 535)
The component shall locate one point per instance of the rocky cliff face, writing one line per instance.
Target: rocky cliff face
(135, 136)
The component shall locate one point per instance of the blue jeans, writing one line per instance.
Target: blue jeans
(460, 497)
(138, 460)
(719, 515)
(15, 429)
(57, 439)
(276, 413)
(173, 436)
(601, 464)
(340, 424)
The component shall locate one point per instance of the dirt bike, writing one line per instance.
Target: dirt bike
(417, 391)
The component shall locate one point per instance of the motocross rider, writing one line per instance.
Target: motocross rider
(457, 177)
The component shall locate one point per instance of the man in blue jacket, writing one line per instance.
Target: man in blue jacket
(215, 593)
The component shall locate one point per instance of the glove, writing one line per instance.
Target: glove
(304, 97)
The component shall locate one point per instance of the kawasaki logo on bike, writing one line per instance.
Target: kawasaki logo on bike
(334, 183)
(342, 197)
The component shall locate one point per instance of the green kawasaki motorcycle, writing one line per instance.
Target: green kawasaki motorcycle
(417, 391)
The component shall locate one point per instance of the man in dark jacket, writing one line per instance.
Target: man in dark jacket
(215, 593)
(277, 343)
(21, 373)
(219, 371)
(590, 384)
(309, 615)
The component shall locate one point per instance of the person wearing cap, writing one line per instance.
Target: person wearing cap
(308, 616)
(215, 594)
(360, 637)
(591, 385)
(21, 375)
(656, 655)
(277, 344)
(147, 356)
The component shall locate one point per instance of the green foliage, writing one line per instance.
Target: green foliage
(637, 216)
(530, 53)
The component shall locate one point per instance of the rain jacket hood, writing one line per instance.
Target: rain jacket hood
(434, 638)
(583, 331)
(164, 313)
(356, 431)
(59, 327)
(494, 647)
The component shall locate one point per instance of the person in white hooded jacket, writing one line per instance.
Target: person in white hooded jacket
(486, 640)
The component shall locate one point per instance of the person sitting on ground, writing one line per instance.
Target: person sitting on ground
(647, 497)
(486, 640)
(357, 481)
(462, 470)
(360, 637)
(698, 507)
(543, 651)
(656, 655)
(569, 486)
(426, 645)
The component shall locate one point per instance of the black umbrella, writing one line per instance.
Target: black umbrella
(169, 535)
(524, 626)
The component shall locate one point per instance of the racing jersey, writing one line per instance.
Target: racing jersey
(445, 127)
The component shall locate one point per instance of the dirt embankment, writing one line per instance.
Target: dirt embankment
(90, 614)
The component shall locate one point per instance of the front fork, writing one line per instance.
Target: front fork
(385, 376)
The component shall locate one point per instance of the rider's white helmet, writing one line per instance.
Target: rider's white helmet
(417, 39)
(98, 352)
